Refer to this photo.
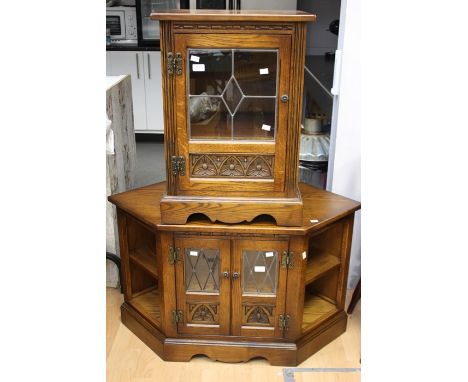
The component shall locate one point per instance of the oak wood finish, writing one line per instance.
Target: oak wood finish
(235, 326)
(224, 195)
(237, 15)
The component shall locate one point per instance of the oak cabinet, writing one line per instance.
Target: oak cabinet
(231, 257)
(232, 110)
(235, 291)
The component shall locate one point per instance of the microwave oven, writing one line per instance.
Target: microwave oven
(122, 23)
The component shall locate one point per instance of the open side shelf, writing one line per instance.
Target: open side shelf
(319, 265)
(148, 303)
(145, 259)
(316, 308)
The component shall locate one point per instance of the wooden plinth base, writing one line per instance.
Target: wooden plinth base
(177, 209)
(277, 353)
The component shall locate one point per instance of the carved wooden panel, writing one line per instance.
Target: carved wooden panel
(258, 315)
(234, 166)
(202, 313)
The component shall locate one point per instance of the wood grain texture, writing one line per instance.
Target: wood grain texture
(170, 132)
(176, 210)
(295, 112)
(230, 15)
(321, 205)
(318, 265)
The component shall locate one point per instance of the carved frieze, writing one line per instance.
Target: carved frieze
(234, 166)
(233, 27)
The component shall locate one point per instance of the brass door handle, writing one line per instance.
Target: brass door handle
(226, 274)
(235, 275)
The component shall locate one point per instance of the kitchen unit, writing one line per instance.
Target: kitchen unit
(144, 68)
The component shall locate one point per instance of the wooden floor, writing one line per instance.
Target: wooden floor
(129, 359)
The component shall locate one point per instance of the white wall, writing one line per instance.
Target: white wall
(346, 162)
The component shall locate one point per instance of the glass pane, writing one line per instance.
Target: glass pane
(259, 272)
(255, 119)
(255, 71)
(201, 270)
(232, 95)
(210, 71)
(209, 118)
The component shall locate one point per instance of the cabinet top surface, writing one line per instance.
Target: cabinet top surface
(320, 209)
(232, 15)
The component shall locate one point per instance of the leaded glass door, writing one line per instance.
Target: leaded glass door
(203, 288)
(232, 111)
(259, 290)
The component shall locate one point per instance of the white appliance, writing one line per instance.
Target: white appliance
(122, 22)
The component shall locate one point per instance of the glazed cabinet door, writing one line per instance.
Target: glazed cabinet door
(258, 287)
(231, 111)
(203, 285)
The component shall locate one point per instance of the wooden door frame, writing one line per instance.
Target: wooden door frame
(237, 298)
(223, 299)
(221, 41)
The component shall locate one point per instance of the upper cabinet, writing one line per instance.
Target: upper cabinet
(232, 106)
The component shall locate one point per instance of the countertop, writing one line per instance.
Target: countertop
(133, 47)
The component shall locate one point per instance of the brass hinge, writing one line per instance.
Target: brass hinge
(177, 316)
(174, 63)
(284, 321)
(178, 165)
(173, 255)
(287, 259)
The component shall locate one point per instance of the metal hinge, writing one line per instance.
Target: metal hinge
(287, 259)
(174, 63)
(178, 165)
(284, 321)
(173, 255)
(177, 316)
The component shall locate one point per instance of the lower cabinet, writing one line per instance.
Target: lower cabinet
(234, 296)
(230, 286)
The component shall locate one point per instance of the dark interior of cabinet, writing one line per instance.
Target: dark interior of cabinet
(144, 279)
(323, 259)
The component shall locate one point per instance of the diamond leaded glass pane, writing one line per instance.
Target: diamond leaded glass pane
(260, 272)
(201, 270)
(232, 93)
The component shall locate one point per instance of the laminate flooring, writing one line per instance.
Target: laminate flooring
(129, 359)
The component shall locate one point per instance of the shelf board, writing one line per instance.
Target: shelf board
(318, 265)
(315, 310)
(145, 259)
(148, 303)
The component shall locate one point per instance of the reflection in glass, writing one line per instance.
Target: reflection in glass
(255, 72)
(255, 119)
(232, 93)
(259, 272)
(201, 270)
(209, 118)
(210, 71)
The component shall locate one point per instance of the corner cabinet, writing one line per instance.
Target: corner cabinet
(234, 292)
(232, 111)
